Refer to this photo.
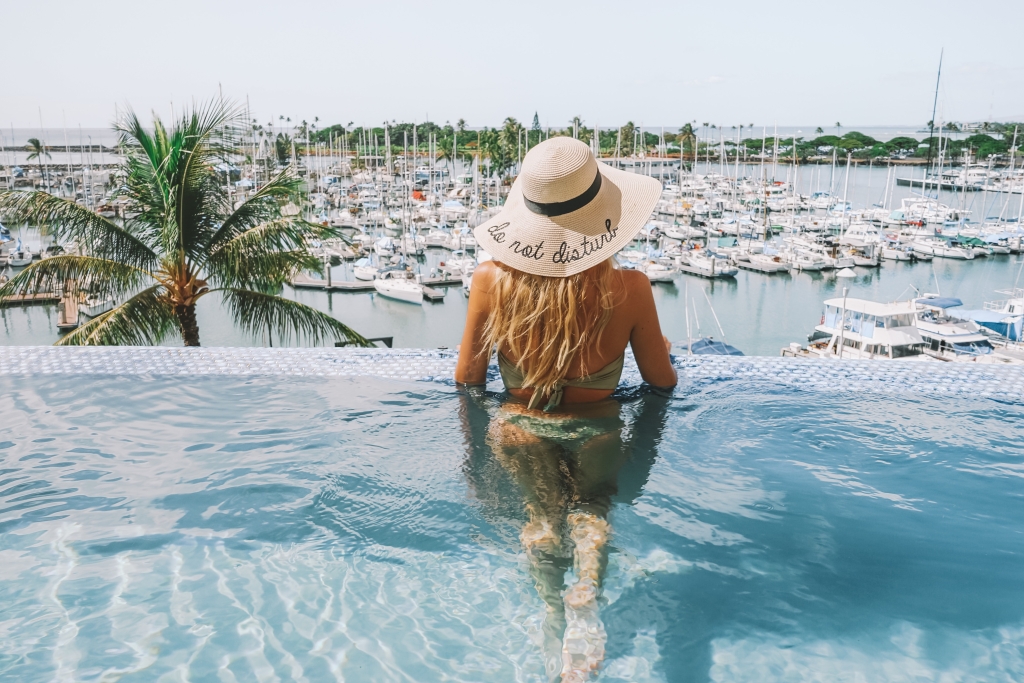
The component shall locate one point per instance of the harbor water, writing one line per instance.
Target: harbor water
(758, 313)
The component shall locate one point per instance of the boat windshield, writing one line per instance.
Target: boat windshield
(906, 350)
(977, 348)
(902, 320)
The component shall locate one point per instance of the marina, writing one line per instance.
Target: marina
(709, 227)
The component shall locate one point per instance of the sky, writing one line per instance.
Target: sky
(653, 63)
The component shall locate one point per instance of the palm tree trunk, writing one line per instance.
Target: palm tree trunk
(187, 322)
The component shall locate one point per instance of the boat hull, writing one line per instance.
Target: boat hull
(411, 295)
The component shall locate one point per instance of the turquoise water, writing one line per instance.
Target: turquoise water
(256, 529)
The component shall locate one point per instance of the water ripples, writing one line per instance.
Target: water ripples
(355, 529)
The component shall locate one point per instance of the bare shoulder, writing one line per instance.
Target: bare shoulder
(484, 275)
(635, 282)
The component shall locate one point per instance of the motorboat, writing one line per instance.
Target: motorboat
(768, 263)
(397, 283)
(863, 329)
(20, 257)
(706, 265)
(1004, 317)
(894, 251)
(364, 270)
(457, 265)
(941, 248)
(95, 305)
(951, 339)
(657, 272)
(809, 261)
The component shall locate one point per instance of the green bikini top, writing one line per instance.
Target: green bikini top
(605, 378)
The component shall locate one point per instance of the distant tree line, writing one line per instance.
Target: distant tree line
(500, 149)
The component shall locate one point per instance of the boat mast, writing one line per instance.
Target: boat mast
(935, 106)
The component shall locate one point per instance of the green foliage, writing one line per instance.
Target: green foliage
(283, 148)
(184, 241)
(826, 141)
(36, 150)
(864, 140)
(902, 144)
(627, 135)
(687, 139)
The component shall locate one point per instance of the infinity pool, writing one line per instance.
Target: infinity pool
(262, 528)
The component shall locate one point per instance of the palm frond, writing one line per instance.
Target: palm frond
(258, 268)
(256, 312)
(262, 207)
(86, 273)
(171, 179)
(143, 320)
(68, 221)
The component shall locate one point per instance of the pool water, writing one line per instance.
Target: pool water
(217, 528)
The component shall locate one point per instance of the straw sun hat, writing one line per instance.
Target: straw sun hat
(567, 212)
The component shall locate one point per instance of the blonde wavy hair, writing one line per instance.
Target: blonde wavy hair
(549, 321)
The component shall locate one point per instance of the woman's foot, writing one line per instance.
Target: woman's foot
(585, 637)
(539, 537)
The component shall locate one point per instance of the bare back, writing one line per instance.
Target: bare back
(633, 321)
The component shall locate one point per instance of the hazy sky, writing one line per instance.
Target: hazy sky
(660, 63)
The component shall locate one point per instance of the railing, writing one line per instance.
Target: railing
(387, 341)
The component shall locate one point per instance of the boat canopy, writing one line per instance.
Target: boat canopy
(940, 302)
(707, 346)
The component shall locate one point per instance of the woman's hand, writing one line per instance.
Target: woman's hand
(668, 344)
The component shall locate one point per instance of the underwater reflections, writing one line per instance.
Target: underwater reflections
(562, 472)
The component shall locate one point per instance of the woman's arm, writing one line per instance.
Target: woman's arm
(473, 358)
(650, 348)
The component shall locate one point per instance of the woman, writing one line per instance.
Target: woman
(560, 316)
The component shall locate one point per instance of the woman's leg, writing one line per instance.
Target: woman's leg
(592, 470)
(534, 463)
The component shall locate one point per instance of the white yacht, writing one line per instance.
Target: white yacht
(95, 305)
(1004, 317)
(939, 247)
(862, 329)
(457, 265)
(20, 257)
(397, 283)
(706, 265)
(657, 272)
(860, 235)
(950, 339)
(768, 263)
(364, 270)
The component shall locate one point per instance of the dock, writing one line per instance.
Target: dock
(67, 316)
(38, 299)
(690, 270)
(919, 182)
(430, 293)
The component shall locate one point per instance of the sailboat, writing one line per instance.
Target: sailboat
(20, 257)
(701, 345)
(396, 283)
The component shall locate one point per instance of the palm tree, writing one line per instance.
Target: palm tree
(687, 138)
(36, 150)
(183, 242)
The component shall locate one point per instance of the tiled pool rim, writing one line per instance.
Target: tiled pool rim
(436, 365)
